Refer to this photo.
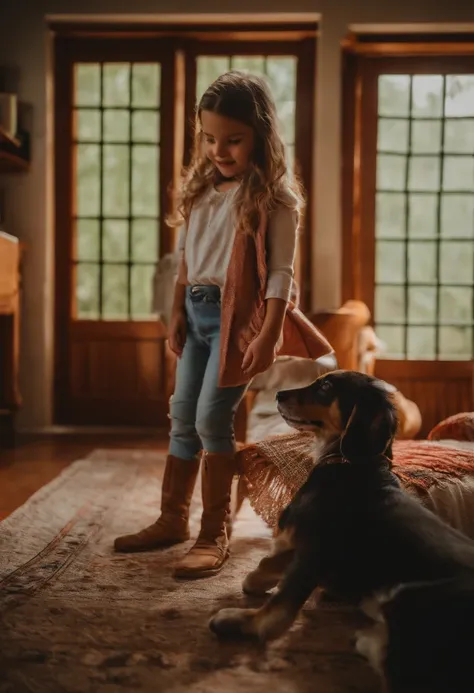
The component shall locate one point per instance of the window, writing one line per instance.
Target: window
(424, 218)
(117, 215)
(408, 142)
(118, 230)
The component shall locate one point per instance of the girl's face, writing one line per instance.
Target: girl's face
(227, 143)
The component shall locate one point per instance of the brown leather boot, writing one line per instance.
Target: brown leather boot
(211, 550)
(172, 527)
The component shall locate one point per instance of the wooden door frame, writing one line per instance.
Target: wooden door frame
(101, 43)
(68, 51)
(359, 145)
(439, 387)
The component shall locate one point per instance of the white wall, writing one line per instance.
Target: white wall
(23, 43)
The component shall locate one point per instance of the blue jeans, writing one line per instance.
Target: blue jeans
(202, 414)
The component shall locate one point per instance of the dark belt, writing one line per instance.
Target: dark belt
(207, 293)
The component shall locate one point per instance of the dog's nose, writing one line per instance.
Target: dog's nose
(283, 395)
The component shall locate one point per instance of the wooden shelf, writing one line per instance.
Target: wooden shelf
(9, 163)
(10, 160)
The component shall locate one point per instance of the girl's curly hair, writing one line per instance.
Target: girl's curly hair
(267, 182)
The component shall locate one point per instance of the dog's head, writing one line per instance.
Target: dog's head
(354, 407)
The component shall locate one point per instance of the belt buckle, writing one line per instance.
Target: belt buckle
(194, 289)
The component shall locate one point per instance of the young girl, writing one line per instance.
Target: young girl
(232, 311)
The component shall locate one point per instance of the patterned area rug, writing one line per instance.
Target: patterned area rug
(77, 617)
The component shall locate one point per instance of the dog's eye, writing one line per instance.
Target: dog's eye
(324, 391)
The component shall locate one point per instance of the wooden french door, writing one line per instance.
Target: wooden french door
(123, 114)
(409, 221)
(115, 156)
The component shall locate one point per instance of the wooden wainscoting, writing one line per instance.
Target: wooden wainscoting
(118, 375)
(439, 388)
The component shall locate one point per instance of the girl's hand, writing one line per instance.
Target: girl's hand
(177, 332)
(259, 356)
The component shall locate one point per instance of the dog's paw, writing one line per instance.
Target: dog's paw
(233, 623)
(254, 585)
(371, 644)
(359, 641)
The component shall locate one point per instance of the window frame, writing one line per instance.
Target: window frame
(68, 52)
(86, 42)
(68, 329)
(360, 70)
(78, 342)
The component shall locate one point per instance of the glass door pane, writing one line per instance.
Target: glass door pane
(116, 188)
(424, 295)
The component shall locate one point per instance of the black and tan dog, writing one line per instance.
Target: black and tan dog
(353, 531)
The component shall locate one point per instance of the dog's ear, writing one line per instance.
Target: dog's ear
(369, 432)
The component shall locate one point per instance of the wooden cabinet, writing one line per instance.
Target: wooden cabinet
(10, 398)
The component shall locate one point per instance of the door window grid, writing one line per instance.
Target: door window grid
(116, 126)
(424, 294)
(116, 143)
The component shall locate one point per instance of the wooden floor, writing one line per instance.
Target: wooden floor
(32, 462)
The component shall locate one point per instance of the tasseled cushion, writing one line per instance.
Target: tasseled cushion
(275, 468)
(456, 427)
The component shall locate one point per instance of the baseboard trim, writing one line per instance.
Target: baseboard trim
(92, 430)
